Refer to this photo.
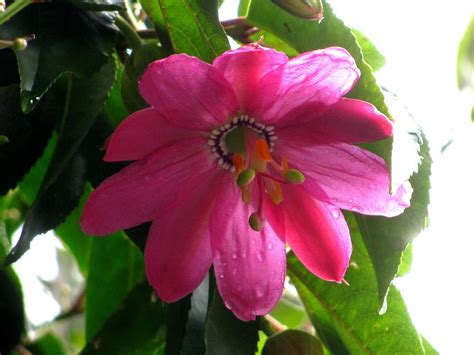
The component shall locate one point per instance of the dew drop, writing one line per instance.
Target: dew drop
(221, 276)
(228, 304)
(234, 256)
(270, 246)
(244, 255)
(259, 292)
(253, 241)
(260, 256)
(351, 200)
(335, 214)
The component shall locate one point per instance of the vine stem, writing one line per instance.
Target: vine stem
(270, 325)
(128, 32)
(13, 9)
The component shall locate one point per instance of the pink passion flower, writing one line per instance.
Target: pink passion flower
(235, 160)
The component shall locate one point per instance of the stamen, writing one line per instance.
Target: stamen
(238, 162)
(256, 221)
(294, 176)
(245, 177)
(263, 150)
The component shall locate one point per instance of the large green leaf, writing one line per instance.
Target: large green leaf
(226, 334)
(346, 317)
(115, 267)
(68, 39)
(194, 28)
(62, 186)
(138, 327)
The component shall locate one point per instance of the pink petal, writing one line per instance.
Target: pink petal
(178, 249)
(348, 120)
(249, 266)
(308, 82)
(144, 188)
(344, 175)
(315, 231)
(140, 134)
(188, 93)
(245, 66)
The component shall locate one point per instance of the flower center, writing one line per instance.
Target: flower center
(244, 147)
(229, 139)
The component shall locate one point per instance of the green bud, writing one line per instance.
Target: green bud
(20, 44)
(245, 177)
(294, 176)
(308, 9)
(256, 222)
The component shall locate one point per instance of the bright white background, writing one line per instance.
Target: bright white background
(419, 39)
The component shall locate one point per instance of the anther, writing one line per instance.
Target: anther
(245, 177)
(256, 222)
(294, 176)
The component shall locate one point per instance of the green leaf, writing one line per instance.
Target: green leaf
(346, 317)
(62, 186)
(48, 344)
(194, 27)
(288, 313)
(138, 327)
(3, 139)
(65, 36)
(99, 5)
(115, 267)
(226, 334)
(292, 341)
(77, 242)
(372, 55)
(27, 134)
(11, 308)
(465, 60)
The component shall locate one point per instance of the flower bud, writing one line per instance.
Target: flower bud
(309, 9)
(19, 44)
(294, 176)
(245, 177)
(256, 222)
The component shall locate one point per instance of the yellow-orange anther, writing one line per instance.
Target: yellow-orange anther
(238, 162)
(246, 193)
(262, 150)
(284, 164)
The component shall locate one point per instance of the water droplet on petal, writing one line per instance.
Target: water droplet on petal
(335, 200)
(270, 246)
(335, 214)
(253, 241)
(259, 292)
(228, 304)
(234, 256)
(260, 256)
(244, 255)
(351, 200)
(221, 276)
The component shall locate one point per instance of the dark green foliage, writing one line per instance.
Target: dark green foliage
(295, 342)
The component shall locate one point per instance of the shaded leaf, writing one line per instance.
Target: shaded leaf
(68, 39)
(11, 308)
(99, 5)
(226, 334)
(194, 27)
(115, 267)
(138, 327)
(78, 243)
(465, 60)
(292, 341)
(62, 186)
(346, 317)
(27, 135)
